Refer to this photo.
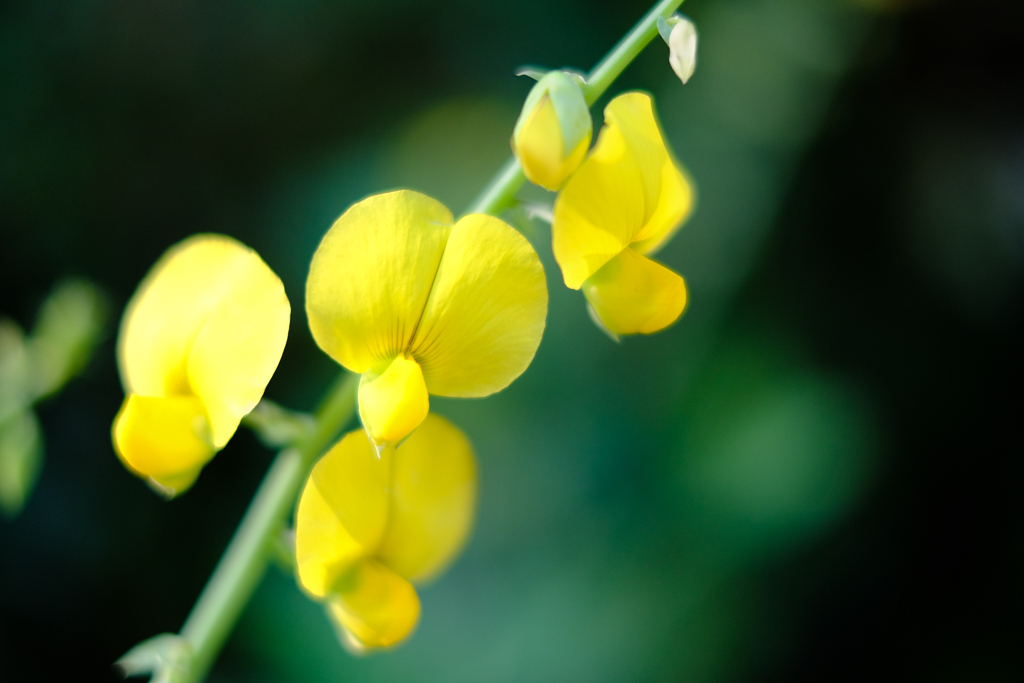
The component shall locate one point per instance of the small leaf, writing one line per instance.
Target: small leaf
(21, 455)
(66, 331)
(15, 370)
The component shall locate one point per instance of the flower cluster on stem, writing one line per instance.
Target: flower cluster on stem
(415, 303)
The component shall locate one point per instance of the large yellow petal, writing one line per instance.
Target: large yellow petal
(168, 310)
(632, 294)
(342, 512)
(371, 275)
(376, 607)
(164, 439)
(675, 205)
(485, 316)
(239, 347)
(667, 193)
(432, 501)
(394, 403)
(629, 190)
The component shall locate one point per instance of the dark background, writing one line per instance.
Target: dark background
(815, 475)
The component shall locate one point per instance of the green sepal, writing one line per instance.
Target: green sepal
(282, 550)
(665, 26)
(577, 77)
(534, 72)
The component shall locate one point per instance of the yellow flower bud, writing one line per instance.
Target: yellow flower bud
(199, 342)
(367, 528)
(553, 132)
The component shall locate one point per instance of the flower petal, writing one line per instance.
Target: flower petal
(393, 404)
(377, 607)
(432, 501)
(599, 211)
(240, 346)
(485, 316)
(371, 275)
(342, 512)
(164, 439)
(675, 204)
(632, 294)
(668, 196)
(168, 310)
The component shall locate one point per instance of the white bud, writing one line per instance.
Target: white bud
(682, 44)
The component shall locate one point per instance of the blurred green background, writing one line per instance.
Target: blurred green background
(815, 475)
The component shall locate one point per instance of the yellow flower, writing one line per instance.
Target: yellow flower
(366, 527)
(198, 343)
(420, 304)
(552, 134)
(626, 200)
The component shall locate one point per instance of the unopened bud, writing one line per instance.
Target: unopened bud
(682, 44)
(680, 35)
(553, 132)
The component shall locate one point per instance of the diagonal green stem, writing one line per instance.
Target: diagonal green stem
(245, 560)
(609, 68)
(501, 191)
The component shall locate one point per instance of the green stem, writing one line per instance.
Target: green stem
(501, 191)
(626, 51)
(244, 562)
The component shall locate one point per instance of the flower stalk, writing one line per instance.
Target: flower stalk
(245, 560)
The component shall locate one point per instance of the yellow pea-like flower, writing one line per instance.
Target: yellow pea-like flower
(623, 204)
(368, 527)
(552, 134)
(199, 341)
(421, 304)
